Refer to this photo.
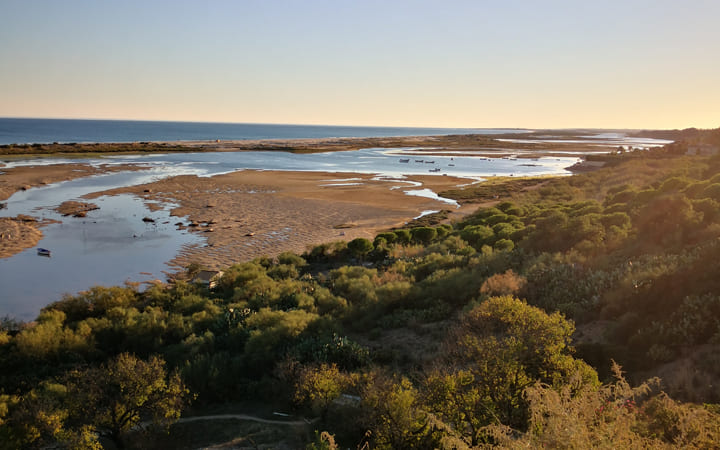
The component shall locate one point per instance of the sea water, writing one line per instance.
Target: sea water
(28, 131)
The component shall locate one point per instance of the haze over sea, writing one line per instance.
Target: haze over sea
(43, 131)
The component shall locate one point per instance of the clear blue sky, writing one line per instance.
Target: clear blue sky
(629, 64)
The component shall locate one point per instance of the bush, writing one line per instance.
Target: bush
(402, 236)
(508, 283)
(504, 245)
(291, 259)
(423, 235)
(360, 247)
(477, 235)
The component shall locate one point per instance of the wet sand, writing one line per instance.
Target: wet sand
(248, 214)
(25, 177)
(17, 234)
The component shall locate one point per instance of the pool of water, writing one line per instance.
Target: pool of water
(108, 247)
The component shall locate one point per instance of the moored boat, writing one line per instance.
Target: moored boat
(43, 251)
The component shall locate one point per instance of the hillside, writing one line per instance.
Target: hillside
(526, 324)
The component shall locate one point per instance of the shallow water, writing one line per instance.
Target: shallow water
(374, 160)
(108, 247)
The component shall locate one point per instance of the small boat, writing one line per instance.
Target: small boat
(435, 170)
(418, 160)
(43, 252)
(405, 160)
(429, 162)
(451, 165)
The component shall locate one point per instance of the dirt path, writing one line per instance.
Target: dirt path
(245, 417)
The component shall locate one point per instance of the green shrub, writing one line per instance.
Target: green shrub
(423, 235)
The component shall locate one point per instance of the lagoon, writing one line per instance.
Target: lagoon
(112, 245)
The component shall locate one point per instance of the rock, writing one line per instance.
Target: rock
(24, 218)
(75, 209)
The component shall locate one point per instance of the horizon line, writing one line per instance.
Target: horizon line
(351, 126)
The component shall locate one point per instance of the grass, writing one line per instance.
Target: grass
(429, 220)
(494, 189)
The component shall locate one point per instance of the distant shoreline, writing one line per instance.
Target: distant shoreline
(482, 144)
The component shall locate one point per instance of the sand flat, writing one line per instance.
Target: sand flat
(249, 213)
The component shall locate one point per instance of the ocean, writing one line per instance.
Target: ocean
(43, 131)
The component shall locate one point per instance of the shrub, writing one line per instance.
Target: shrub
(402, 236)
(291, 259)
(504, 245)
(423, 235)
(360, 247)
(507, 283)
(477, 235)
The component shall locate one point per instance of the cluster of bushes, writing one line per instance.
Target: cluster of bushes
(487, 308)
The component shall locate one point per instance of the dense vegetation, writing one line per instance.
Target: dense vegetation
(506, 329)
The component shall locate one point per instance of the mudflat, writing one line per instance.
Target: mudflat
(248, 214)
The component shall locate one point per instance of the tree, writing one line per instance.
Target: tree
(392, 412)
(318, 386)
(123, 394)
(402, 236)
(476, 235)
(360, 247)
(39, 419)
(423, 235)
(500, 348)
(614, 416)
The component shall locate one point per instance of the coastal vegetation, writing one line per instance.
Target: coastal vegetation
(543, 319)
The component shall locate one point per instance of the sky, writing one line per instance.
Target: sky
(475, 63)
